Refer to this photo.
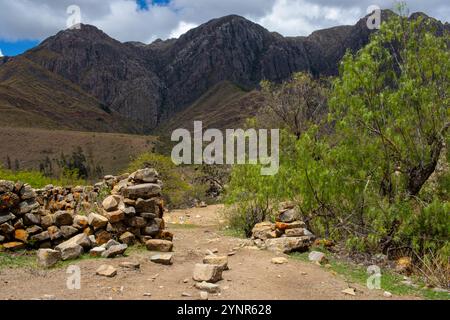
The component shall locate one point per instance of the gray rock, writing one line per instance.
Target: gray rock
(78, 240)
(316, 256)
(6, 228)
(68, 231)
(111, 203)
(106, 271)
(97, 251)
(221, 261)
(208, 287)
(6, 186)
(159, 245)
(145, 175)
(27, 192)
(7, 217)
(111, 243)
(114, 251)
(127, 238)
(130, 265)
(288, 244)
(33, 230)
(70, 252)
(31, 219)
(28, 206)
(43, 236)
(148, 205)
(162, 258)
(47, 221)
(144, 191)
(97, 221)
(48, 258)
(63, 218)
(207, 272)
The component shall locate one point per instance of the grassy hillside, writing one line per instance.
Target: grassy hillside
(28, 148)
(31, 96)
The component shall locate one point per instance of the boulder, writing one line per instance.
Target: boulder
(159, 245)
(288, 244)
(111, 203)
(287, 215)
(149, 205)
(114, 251)
(13, 246)
(80, 221)
(221, 261)
(115, 216)
(68, 231)
(28, 206)
(9, 200)
(43, 236)
(70, 251)
(97, 221)
(7, 217)
(145, 175)
(102, 237)
(97, 251)
(54, 233)
(144, 191)
(293, 225)
(163, 258)
(297, 232)
(31, 219)
(127, 238)
(27, 192)
(106, 271)
(6, 186)
(48, 258)
(63, 218)
(263, 230)
(207, 272)
(6, 228)
(208, 287)
(80, 239)
(47, 221)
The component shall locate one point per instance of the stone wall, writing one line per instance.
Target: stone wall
(49, 217)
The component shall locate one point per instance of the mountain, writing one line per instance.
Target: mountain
(167, 82)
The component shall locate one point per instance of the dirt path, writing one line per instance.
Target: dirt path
(251, 274)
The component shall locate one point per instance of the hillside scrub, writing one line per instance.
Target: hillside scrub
(378, 180)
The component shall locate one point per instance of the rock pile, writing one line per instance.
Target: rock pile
(287, 234)
(208, 273)
(71, 221)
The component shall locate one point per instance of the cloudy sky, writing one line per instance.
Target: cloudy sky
(24, 23)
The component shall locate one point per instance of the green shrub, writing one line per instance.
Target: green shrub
(38, 180)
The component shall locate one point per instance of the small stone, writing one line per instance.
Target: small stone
(28, 206)
(316, 256)
(145, 175)
(43, 236)
(296, 232)
(102, 237)
(6, 218)
(70, 252)
(349, 291)
(33, 230)
(203, 295)
(185, 294)
(47, 221)
(279, 260)
(27, 192)
(106, 271)
(54, 232)
(288, 216)
(185, 280)
(144, 191)
(207, 272)
(111, 243)
(159, 245)
(147, 294)
(130, 265)
(48, 258)
(292, 225)
(80, 221)
(31, 219)
(148, 206)
(163, 258)
(387, 294)
(208, 287)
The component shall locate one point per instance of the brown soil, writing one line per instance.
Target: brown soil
(251, 274)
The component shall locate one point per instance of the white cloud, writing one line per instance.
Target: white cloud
(182, 28)
(122, 19)
(1, 53)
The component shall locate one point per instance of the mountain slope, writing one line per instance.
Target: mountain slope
(31, 96)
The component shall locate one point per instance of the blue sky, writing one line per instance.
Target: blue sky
(24, 23)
